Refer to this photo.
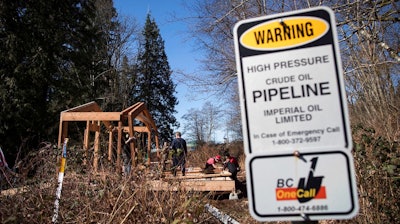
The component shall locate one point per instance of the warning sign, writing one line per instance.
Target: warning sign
(291, 82)
(307, 186)
(282, 34)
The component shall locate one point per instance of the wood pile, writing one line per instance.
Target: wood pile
(195, 180)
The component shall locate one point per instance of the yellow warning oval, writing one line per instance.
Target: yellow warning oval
(284, 33)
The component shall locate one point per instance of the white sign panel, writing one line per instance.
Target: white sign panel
(290, 81)
(311, 186)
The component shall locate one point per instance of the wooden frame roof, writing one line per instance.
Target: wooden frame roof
(93, 116)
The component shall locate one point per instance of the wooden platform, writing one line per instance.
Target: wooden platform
(195, 180)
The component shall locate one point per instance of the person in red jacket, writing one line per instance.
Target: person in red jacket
(211, 164)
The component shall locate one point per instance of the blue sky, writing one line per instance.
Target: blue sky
(179, 49)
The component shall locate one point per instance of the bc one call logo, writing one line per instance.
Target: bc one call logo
(307, 188)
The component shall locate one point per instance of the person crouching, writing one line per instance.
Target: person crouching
(211, 164)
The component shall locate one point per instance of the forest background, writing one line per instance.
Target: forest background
(58, 55)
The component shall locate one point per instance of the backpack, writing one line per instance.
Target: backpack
(179, 150)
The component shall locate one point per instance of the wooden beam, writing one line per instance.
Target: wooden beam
(135, 128)
(215, 185)
(94, 127)
(134, 106)
(62, 132)
(148, 147)
(110, 144)
(141, 129)
(96, 149)
(133, 154)
(197, 185)
(199, 175)
(119, 151)
(91, 116)
(86, 141)
(134, 113)
(89, 107)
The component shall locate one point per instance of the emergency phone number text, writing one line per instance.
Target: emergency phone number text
(302, 208)
(287, 141)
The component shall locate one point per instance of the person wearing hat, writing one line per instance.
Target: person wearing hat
(211, 164)
(231, 164)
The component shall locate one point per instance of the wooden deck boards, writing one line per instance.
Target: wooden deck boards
(195, 180)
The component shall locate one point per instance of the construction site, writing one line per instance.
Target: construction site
(96, 184)
(136, 123)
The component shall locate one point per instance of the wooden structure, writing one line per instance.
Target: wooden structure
(195, 180)
(124, 122)
(94, 117)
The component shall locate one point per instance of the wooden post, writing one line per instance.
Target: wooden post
(148, 147)
(157, 144)
(96, 147)
(119, 152)
(86, 136)
(63, 132)
(132, 143)
(133, 152)
(110, 144)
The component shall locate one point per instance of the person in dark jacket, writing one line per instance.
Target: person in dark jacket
(231, 164)
(179, 152)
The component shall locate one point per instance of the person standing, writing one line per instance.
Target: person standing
(126, 153)
(178, 146)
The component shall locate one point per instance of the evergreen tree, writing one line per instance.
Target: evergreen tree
(154, 85)
(127, 79)
(49, 56)
(106, 83)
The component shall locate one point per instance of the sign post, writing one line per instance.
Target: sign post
(291, 82)
(294, 116)
(308, 186)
